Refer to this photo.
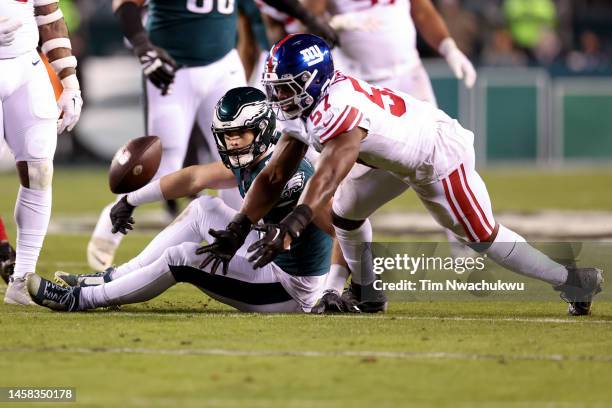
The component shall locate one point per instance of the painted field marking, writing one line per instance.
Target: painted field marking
(402, 355)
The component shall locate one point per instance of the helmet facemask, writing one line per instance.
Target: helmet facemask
(288, 96)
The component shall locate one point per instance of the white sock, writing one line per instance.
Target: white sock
(354, 251)
(336, 278)
(511, 251)
(142, 284)
(183, 229)
(104, 227)
(32, 214)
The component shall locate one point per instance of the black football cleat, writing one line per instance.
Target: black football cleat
(366, 298)
(48, 294)
(7, 261)
(332, 302)
(581, 286)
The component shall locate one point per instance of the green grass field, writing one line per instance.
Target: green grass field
(184, 349)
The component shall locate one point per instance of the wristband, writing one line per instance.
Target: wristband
(297, 220)
(241, 224)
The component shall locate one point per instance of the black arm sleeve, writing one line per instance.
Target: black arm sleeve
(130, 20)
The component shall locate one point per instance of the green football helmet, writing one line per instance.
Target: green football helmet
(239, 109)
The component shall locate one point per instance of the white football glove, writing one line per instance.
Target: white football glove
(458, 62)
(8, 27)
(69, 103)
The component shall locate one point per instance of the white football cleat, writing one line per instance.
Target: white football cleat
(17, 292)
(100, 254)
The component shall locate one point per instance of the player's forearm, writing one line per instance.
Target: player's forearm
(291, 7)
(128, 13)
(191, 180)
(263, 194)
(269, 184)
(337, 159)
(429, 23)
(316, 7)
(323, 219)
(55, 42)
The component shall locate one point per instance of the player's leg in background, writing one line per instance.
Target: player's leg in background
(170, 117)
(219, 77)
(30, 128)
(7, 253)
(361, 193)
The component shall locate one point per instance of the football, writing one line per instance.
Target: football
(134, 164)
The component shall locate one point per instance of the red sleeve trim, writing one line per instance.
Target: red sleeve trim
(350, 120)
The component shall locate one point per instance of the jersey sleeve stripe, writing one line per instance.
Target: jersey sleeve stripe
(352, 119)
(336, 122)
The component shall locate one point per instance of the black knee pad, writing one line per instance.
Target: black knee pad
(345, 224)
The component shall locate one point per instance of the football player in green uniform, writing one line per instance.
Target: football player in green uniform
(245, 129)
(199, 37)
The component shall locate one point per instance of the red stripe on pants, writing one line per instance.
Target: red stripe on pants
(466, 207)
(454, 209)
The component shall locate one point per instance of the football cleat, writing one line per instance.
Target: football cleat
(7, 261)
(48, 294)
(581, 286)
(579, 308)
(100, 254)
(66, 279)
(332, 302)
(17, 292)
(365, 298)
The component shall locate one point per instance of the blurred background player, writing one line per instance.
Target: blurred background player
(245, 131)
(29, 119)
(200, 38)
(378, 42)
(7, 254)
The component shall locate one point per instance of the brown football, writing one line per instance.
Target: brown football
(134, 164)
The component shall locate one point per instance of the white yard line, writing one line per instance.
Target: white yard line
(401, 355)
(388, 317)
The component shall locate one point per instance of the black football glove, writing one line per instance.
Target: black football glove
(156, 64)
(272, 242)
(121, 216)
(227, 243)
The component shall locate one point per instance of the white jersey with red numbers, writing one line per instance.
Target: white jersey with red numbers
(381, 40)
(26, 38)
(410, 138)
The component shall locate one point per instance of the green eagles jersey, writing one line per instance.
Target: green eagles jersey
(193, 32)
(310, 253)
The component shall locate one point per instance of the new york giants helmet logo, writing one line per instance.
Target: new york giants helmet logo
(312, 55)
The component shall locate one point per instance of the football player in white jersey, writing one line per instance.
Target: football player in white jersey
(29, 119)
(378, 42)
(406, 143)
